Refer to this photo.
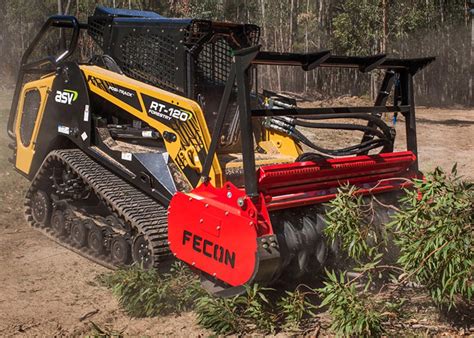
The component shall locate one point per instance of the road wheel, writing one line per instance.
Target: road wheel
(141, 252)
(96, 240)
(41, 208)
(79, 233)
(120, 251)
(58, 223)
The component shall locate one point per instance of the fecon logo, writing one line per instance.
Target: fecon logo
(167, 113)
(209, 249)
(66, 97)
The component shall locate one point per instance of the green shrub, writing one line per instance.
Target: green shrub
(254, 311)
(353, 307)
(220, 315)
(240, 314)
(294, 307)
(349, 220)
(352, 311)
(435, 234)
(145, 293)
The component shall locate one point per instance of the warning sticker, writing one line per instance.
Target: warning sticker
(126, 156)
(86, 113)
(63, 130)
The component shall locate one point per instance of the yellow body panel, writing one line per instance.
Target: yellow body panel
(280, 143)
(174, 148)
(280, 147)
(24, 155)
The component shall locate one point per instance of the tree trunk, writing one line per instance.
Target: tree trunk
(383, 46)
(306, 46)
(471, 84)
(66, 10)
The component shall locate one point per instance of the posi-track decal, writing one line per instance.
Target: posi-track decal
(128, 96)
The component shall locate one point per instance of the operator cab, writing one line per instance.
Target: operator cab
(188, 57)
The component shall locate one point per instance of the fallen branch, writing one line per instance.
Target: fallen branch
(88, 315)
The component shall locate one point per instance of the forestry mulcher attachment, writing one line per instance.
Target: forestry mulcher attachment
(162, 145)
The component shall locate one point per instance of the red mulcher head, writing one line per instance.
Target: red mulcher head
(274, 225)
(231, 239)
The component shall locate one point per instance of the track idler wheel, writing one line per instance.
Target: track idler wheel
(95, 240)
(41, 207)
(59, 223)
(79, 233)
(141, 252)
(120, 251)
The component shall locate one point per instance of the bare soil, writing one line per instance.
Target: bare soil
(48, 290)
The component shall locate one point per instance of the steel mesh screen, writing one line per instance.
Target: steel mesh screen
(253, 35)
(212, 68)
(31, 106)
(96, 27)
(149, 58)
(213, 63)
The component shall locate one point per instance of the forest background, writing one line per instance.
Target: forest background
(399, 28)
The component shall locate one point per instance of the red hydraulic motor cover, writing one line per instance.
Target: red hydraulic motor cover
(227, 235)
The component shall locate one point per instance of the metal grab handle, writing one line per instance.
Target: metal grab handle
(60, 21)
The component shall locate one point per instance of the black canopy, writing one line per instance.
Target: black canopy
(326, 59)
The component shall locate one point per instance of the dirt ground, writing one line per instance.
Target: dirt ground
(48, 290)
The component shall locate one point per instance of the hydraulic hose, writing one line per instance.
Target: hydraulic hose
(338, 126)
(288, 125)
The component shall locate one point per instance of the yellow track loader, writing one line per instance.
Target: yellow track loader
(164, 147)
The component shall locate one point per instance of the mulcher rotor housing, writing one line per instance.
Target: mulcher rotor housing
(164, 145)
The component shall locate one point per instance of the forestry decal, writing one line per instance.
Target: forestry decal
(167, 113)
(209, 249)
(125, 95)
(164, 111)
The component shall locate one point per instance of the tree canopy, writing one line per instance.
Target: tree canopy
(405, 28)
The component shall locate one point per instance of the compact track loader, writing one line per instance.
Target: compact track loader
(162, 145)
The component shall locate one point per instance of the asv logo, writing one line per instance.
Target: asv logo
(66, 97)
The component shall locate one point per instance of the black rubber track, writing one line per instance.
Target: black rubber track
(143, 213)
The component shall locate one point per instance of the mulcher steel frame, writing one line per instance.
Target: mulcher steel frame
(240, 74)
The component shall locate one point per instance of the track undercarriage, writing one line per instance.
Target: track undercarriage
(86, 208)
